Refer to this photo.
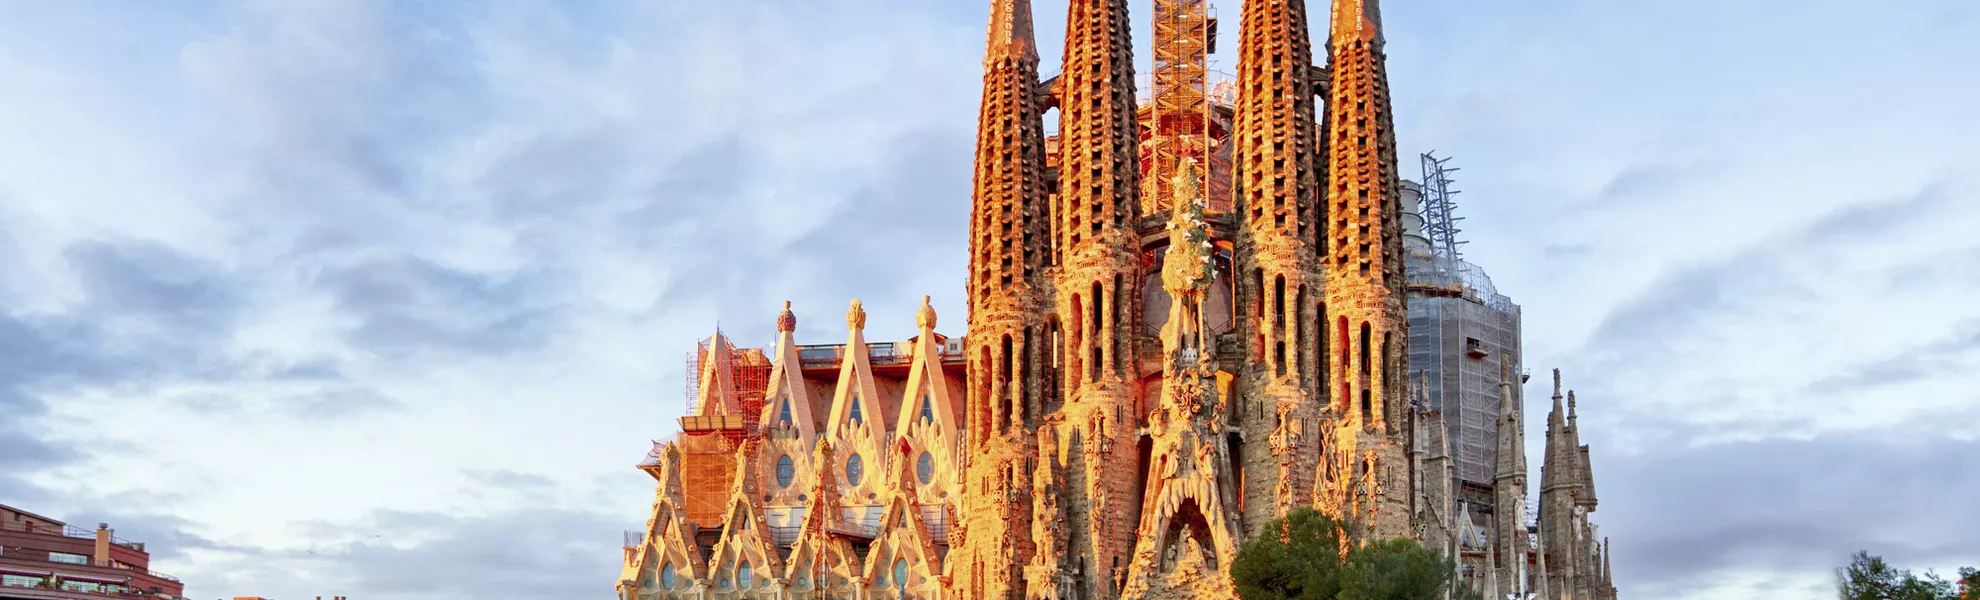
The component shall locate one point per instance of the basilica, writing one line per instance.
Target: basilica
(1184, 320)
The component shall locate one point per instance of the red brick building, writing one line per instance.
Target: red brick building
(46, 559)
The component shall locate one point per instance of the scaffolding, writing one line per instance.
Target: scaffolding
(1439, 204)
(1460, 330)
(1179, 120)
(749, 374)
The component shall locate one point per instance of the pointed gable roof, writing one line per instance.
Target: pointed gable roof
(716, 394)
(901, 521)
(820, 513)
(667, 525)
(745, 531)
(788, 391)
(928, 390)
(858, 394)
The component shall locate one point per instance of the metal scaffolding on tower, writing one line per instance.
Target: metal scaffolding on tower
(1439, 208)
(1184, 35)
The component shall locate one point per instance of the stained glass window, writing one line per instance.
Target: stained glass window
(786, 470)
(855, 467)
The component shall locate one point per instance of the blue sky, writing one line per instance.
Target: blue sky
(385, 299)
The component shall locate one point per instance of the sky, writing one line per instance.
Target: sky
(386, 299)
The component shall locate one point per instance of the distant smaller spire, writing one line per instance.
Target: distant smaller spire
(1570, 400)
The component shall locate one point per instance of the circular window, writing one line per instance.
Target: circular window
(785, 471)
(855, 467)
(667, 576)
(924, 467)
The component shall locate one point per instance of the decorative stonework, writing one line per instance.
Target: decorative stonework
(1078, 444)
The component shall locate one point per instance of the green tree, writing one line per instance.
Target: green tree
(1299, 558)
(1870, 578)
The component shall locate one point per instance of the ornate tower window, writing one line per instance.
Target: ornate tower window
(785, 471)
(924, 467)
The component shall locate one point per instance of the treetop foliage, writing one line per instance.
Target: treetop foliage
(1299, 558)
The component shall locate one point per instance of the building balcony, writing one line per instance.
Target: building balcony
(28, 568)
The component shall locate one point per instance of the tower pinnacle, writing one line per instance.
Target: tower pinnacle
(1357, 19)
(1010, 32)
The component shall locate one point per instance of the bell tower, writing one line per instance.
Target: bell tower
(1366, 367)
(1007, 307)
(1098, 217)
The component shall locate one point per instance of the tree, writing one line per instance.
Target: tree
(1299, 558)
(1870, 578)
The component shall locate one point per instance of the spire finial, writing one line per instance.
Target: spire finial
(925, 316)
(856, 316)
(1570, 405)
(1557, 384)
(786, 321)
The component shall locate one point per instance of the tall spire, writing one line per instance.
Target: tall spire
(1509, 483)
(1363, 237)
(1560, 479)
(1279, 272)
(1007, 305)
(1008, 213)
(1098, 270)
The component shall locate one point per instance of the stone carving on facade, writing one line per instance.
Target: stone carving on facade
(1055, 452)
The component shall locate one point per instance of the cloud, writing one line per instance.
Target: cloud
(1786, 506)
(1937, 358)
(406, 305)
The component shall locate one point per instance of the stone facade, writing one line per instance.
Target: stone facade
(1137, 393)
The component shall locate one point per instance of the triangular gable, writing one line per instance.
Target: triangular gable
(902, 527)
(745, 531)
(927, 402)
(667, 537)
(717, 392)
(788, 399)
(818, 554)
(857, 419)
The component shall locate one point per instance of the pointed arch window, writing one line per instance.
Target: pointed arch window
(856, 418)
(927, 408)
(743, 576)
(784, 414)
(900, 576)
(667, 576)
